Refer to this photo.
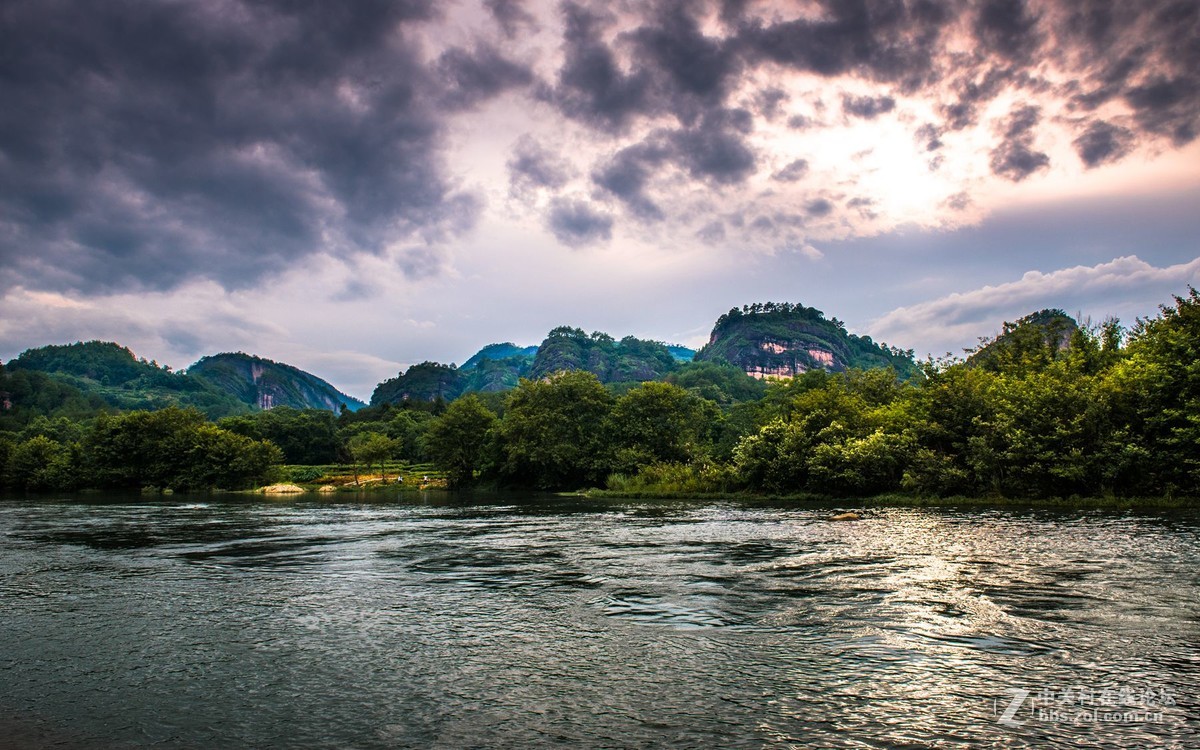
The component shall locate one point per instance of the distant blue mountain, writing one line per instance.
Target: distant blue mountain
(681, 353)
(497, 352)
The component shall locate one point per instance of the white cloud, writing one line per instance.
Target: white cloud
(1125, 287)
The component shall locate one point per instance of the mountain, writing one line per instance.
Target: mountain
(1036, 339)
(93, 375)
(627, 360)
(500, 367)
(260, 382)
(783, 340)
(681, 353)
(497, 352)
(428, 381)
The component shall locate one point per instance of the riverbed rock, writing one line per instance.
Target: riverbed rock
(281, 489)
(846, 517)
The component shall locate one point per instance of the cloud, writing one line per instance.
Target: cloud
(867, 107)
(957, 320)
(143, 146)
(1102, 142)
(470, 77)
(819, 207)
(591, 86)
(148, 147)
(575, 223)
(628, 174)
(532, 166)
(793, 171)
(511, 15)
(1015, 158)
(1008, 27)
(883, 41)
(716, 150)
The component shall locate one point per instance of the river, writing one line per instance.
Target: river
(526, 622)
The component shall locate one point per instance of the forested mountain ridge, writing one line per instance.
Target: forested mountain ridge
(264, 383)
(85, 377)
(628, 360)
(500, 367)
(497, 352)
(1039, 337)
(1101, 412)
(784, 340)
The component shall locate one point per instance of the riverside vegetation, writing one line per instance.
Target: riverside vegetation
(1049, 409)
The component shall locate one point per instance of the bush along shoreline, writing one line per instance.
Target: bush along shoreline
(1049, 413)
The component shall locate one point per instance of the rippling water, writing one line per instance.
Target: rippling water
(470, 623)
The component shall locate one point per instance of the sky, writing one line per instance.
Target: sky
(353, 188)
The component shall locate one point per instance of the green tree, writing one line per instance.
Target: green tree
(173, 448)
(660, 423)
(457, 440)
(371, 448)
(552, 432)
(1156, 391)
(40, 463)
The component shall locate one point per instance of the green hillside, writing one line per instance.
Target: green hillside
(101, 374)
(628, 360)
(265, 384)
(1035, 340)
(783, 340)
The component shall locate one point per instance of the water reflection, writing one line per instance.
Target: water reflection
(455, 623)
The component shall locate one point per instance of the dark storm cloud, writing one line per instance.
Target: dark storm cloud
(1168, 107)
(793, 172)
(533, 166)
(575, 223)
(511, 16)
(929, 136)
(147, 144)
(472, 77)
(799, 122)
(1102, 142)
(629, 172)
(691, 72)
(715, 149)
(886, 40)
(660, 61)
(1007, 27)
(819, 207)
(1015, 158)
(867, 107)
(770, 102)
(592, 87)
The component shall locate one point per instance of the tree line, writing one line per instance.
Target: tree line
(1040, 412)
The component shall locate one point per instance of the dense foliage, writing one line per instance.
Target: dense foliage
(257, 381)
(1056, 410)
(500, 367)
(629, 360)
(96, 375)
(170, 448)
(781, 338)
(1049, 409)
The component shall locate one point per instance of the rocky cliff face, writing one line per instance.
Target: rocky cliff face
(267, 384)
(781, 340)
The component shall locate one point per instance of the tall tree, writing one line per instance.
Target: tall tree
(456, 441)
(552, 433)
